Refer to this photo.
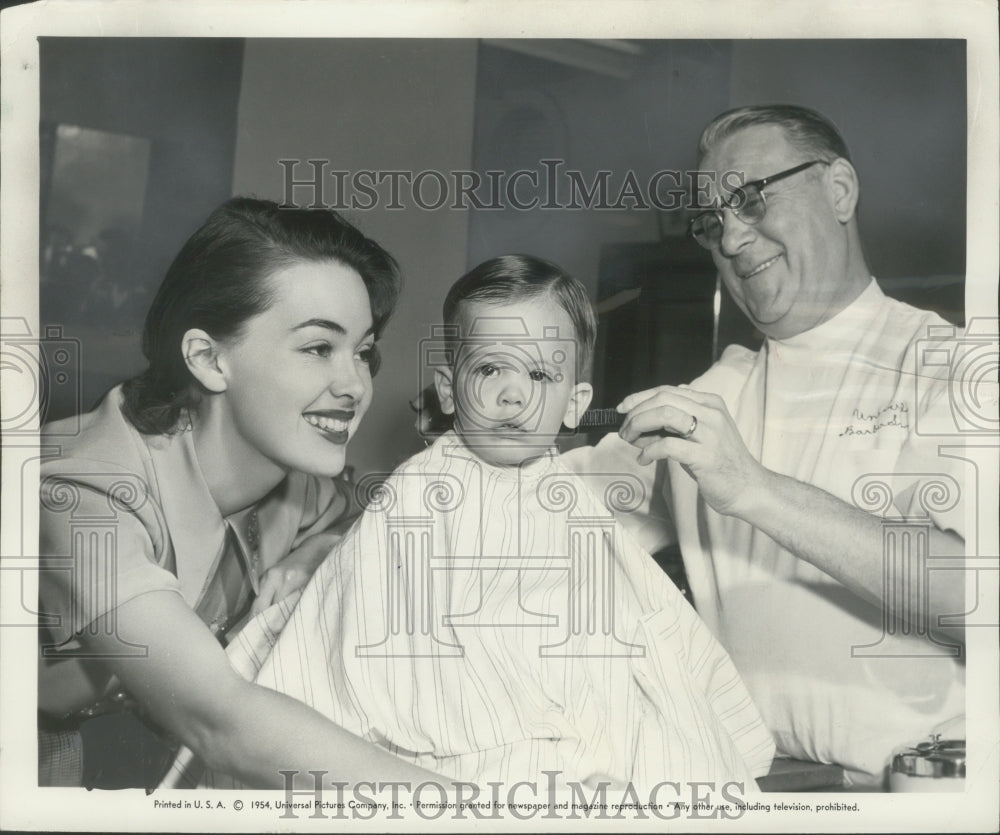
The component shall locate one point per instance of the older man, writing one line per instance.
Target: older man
(794, 472)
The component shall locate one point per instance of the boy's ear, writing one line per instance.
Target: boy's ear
(442, 382)
(579, 400)
(201, 355)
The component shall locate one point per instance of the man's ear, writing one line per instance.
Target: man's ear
(579, 400)
(442, 382)
(846, 190)
(201, 355)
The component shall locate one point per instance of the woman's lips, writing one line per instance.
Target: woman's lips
(333, 424)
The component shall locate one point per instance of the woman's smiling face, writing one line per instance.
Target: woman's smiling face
(298, 375)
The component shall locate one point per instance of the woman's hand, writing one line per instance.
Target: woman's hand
(703, 439)
(293, 572)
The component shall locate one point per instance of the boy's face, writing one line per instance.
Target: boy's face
(513, 382)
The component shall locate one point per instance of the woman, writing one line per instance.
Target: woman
(202, 489)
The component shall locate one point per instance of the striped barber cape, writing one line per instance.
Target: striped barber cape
(491, 624)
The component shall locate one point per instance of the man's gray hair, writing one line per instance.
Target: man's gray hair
(811, 132)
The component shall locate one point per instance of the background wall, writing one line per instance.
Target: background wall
(180, 96)
(901, 106)
(370, 105)
(642, 116)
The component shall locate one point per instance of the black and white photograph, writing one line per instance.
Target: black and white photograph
(523, 416)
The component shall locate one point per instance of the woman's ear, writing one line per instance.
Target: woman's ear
(844, 181)
(579, 400)
(442, 382)
(201, 355)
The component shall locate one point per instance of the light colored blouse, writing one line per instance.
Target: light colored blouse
(123, 514)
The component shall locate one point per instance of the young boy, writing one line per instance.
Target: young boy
(487, 618)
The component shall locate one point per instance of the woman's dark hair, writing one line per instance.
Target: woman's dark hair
(219, 280)
(511, 278)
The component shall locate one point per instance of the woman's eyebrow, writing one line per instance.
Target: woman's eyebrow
(321, 323)
(329, 325)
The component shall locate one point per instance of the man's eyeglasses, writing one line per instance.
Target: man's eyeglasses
(747, 203)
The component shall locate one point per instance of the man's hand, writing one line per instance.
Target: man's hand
(294, 571)
(714, 454)
(839, 539)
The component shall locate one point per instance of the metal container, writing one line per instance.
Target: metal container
(933, 765)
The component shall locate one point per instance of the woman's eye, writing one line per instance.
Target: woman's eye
(321, 349)
(488, 370)
(540, 376)
(371, 357)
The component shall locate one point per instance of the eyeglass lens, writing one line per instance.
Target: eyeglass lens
(748, 204)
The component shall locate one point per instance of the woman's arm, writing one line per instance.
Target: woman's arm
(253, 733)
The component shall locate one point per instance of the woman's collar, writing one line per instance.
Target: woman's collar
(192, 519)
